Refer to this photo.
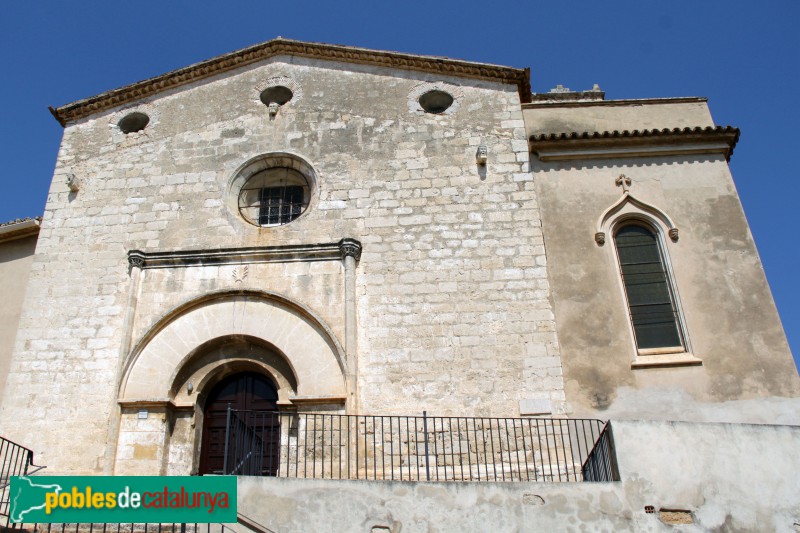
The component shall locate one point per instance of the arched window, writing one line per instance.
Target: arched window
(654, 315)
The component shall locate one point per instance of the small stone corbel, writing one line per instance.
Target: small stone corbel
(350, 248)
(136, 260)
(482, 155)
(673, 234)
(73, 182)
(273, 108)
(600, 238)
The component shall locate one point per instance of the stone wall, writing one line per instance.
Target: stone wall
(451, 291)
(700, 477)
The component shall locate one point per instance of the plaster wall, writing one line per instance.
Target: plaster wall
(453, 302)
(727, 309)
(619, 115)
(705, 472)
(16, 257)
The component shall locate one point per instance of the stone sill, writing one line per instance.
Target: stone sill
(666, 360)
(674, 350)
(317, 400)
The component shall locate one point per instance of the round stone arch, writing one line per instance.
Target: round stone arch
(313, 364)
(215, 360)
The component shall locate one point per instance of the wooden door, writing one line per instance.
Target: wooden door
(256, 396)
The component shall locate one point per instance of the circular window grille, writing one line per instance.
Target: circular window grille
(274, 196)
(435, 101)
(133, 122)
(277, 94)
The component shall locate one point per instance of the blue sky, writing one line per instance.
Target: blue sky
(742, 55)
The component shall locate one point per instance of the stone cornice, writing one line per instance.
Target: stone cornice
(346, 54)
(571, 96)
(265, 254)
(636, 143)
(536, 103)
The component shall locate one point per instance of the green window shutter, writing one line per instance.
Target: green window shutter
(652, 308)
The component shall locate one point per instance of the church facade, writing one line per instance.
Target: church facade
(313, 228)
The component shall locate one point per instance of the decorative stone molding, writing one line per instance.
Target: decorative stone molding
(246, 56)
(600, 238)
(20, 228)
(482, 155)
(312, 351)
(291, 84)
(421, 88)
(127, 139)
(636, 143)
(262, 162)
(624, 182)
(350, 248)
(136, 259)
(240, 273)
(73, 182)
(537, 102)
(630, 206)
(242, 256)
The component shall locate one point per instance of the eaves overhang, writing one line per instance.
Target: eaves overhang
(541, 101)
(276, 47)
(17, 229)
(634, 143)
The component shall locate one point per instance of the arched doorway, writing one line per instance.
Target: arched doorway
(254, 433)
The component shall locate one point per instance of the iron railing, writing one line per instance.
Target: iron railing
(248, 522)
(415, 448)
(16, 461)
(600, 464)
(122, 528)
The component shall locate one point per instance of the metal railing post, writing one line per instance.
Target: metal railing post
(425, 434)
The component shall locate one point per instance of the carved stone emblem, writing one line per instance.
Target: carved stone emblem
(624, 181)
(73, 182)
(240, 273)
(482, 155)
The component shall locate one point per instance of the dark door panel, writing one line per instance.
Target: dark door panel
(246, 391)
